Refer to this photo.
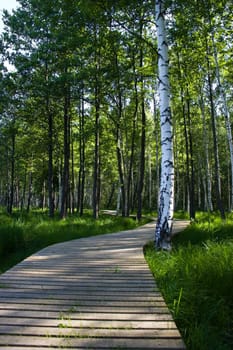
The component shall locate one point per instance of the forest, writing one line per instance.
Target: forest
(79, 108)
(81, 131)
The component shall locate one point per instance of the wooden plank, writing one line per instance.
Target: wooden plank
(105, 343)
(109, 288)
(111, 283)
(68, 273)
(66, 330)
(95, 267)
(63, 295)
(23, 312)
(94, 309)
(78, 302)
(75, 281)
(78, 262)
(73, 289)
(59, 280)
(83, 280)
(68, 322)
(85, 275)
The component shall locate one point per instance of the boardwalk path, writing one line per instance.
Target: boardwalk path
(92, 293)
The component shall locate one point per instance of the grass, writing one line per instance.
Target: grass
(22, 234)
(196, 280)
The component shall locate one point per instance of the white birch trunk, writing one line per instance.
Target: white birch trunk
(166, 196)
(208, 176)
(226, 115)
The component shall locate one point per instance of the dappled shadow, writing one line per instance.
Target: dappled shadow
(93, 292)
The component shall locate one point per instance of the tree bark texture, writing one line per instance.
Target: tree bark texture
(192, 177)
(50, 160)
(143, 137)
(65, 175)
(120, 168)
(131, 161)
(226, 114)
(216, 157)
(12, 173)
(207, 174)
(96, 180)
(166, 197)
(216, 154)
(81, 175)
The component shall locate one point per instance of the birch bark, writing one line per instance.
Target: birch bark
(226, 114)
(207, 172)
(166, 197)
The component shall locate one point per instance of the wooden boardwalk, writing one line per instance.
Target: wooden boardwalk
(92, 293)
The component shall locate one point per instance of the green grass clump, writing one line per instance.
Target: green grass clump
(196, 279)
(23, 234)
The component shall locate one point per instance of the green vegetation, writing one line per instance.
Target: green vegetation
(79, 114)
(196, 280)
(23, 234)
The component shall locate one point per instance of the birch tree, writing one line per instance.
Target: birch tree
(166, 196)
(225, 111)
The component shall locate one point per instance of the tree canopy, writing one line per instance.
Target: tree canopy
(79, 114)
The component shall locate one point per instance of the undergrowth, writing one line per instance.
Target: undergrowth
(196, 280)
(22, 234)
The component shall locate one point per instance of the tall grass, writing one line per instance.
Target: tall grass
(196, 279)
(23, 234)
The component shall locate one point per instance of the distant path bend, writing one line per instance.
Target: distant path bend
(90, 293)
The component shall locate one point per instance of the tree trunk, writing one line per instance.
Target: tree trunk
(96, 180)
(226, 115)
(192, 178)
(122, 197)
(142, 159)
(120, 169)
(43, 196)
(97, 101)
(143, 138)
(12, 173)
(72, 185)
(110, 198)
(216, 156)
(131, 160)
(66, 155)
(81, 176)
(149, 181)
(157, 149)
(130, 173)
(188, 142)
(23, 195)
(59, 199)
(29, 191)
(50, 160)
(209, 203)
(166, 197)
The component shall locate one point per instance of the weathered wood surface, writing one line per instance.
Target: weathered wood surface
(92, 293)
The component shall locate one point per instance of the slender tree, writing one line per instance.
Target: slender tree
(143, 133)
(215, 142)
(166, 197)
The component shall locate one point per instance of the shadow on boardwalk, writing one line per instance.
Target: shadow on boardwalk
(91, 293)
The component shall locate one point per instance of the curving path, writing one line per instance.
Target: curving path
(91, 293)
